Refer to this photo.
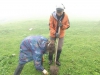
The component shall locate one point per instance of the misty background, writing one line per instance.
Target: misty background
(24, 9)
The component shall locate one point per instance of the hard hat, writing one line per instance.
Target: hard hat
(60, 7)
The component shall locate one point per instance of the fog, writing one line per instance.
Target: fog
(24, 9)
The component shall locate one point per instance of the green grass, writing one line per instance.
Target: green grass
(81, 50)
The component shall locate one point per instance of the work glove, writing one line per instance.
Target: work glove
(59, 24)
(57, 35)
(45, 72)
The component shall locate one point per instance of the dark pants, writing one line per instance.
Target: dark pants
(60, 45)
(19, 69)
(21, 66)
(60, 42)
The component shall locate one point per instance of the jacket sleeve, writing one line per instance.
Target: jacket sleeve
(51, 25)
(37, 56)
(38, 61)
(66, 25)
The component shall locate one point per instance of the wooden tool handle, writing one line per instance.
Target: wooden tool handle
(57, 40)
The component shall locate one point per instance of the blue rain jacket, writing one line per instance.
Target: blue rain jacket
(33, 48)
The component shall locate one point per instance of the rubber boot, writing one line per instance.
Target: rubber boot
(50, 58)
(19, 69)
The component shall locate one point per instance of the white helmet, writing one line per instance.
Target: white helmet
(60, 7)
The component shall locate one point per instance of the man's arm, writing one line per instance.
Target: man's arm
(66, 25)
(51, 25)
(37, 62)
(37, 56)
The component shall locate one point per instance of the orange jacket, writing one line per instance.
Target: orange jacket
(53, 25)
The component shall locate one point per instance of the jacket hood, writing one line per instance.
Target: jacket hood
(54, 15)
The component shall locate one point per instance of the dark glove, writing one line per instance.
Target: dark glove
(59, 24)
(57, 35)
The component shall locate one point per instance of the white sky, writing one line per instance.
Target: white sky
(10, 9)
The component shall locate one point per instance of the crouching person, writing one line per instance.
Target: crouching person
(33, 48)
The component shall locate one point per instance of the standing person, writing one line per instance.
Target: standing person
(58, 19)
(33, 48)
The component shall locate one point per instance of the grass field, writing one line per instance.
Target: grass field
(81, 50)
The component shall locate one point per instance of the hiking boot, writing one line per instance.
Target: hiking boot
(50, 62)
(58, 63)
